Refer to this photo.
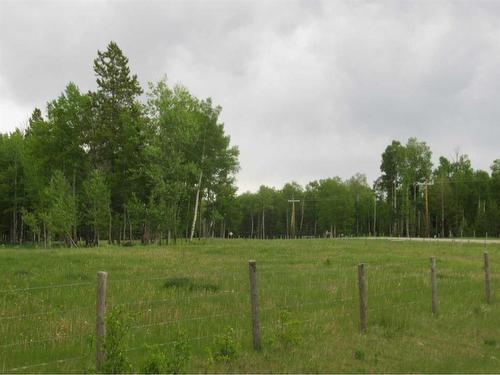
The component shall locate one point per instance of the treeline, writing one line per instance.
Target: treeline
(410, 198)
(118, 165)
(123, 165)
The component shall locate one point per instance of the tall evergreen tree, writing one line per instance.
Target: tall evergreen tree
(118, 134)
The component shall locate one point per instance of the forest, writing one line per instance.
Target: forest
(123, 164)
(411, 198)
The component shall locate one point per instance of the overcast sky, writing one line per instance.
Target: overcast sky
(309, 89)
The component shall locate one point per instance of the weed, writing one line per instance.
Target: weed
(225, 347)
(359, 354)
(23, 273)
(171, 361)
(189, 284)
(391, 327)
(117, 329)
(287, 331)
(490, 342)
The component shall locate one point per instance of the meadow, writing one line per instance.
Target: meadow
(198, 294)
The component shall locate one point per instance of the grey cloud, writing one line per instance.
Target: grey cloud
(309, 89)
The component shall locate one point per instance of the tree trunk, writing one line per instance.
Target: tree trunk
(124, 236)
(110, 239)
(74, 200)
(251, 231)
(14, 212)
(407, 214)
(44, 234)
(22, 230)
(263, 224)
(130, 232)
(442, 209)
(196, 206)
(287, 226)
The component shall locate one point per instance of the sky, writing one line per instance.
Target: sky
(309, 89)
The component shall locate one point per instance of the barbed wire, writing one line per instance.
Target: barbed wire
(43, 314)
(174, 299)
(30, 341)
(44, 364)
(172, 321)
(53, 286)
(326, 271)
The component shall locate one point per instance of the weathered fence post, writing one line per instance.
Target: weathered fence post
(362, 298)
(100, 318)
(434, 286)
(487, 277)
(252, 268)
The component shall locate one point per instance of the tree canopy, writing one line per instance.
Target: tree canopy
(123, 164)
(105, 164)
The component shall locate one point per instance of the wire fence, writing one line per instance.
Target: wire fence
(53, 340)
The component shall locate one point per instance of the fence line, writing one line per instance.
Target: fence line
(167, 322)
(29, 342)
(43, 313)
(44, 364)
(198, 338)
(152, 301)
(53, 286)
(364, 293)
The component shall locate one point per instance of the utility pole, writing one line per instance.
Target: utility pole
(426, 195)
(292, 219)
(301, 218)
(375, 216)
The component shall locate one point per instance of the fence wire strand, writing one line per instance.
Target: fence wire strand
(346, 310)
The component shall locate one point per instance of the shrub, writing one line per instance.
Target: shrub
(117, 329)
(171, 361)
(225, 347)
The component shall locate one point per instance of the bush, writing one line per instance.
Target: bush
(172, 361)
(225, 347)
(117, 329)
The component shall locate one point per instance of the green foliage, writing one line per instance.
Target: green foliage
(107, 163)
(359, 354)
(60, 204)
(171, 361)
(390, 327)
(132, 168)
(32, 222)
(190, 284)
(225, 347)
(287, 333)
(117, 330)
(97, 200)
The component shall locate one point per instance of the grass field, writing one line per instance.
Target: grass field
(308, 298)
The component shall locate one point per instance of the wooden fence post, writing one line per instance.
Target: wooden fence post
(487, 277)
(100, 318)
(252, 268)
(434, 286)
(362, 298)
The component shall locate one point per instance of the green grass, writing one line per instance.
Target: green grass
(308, 300)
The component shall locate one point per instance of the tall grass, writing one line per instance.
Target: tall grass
(308, 305)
